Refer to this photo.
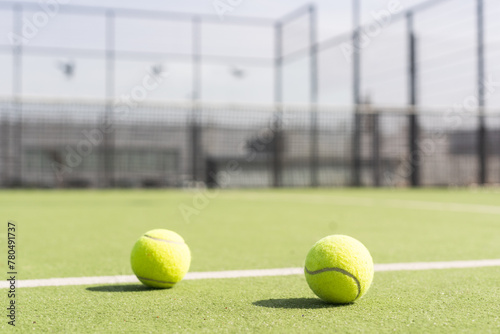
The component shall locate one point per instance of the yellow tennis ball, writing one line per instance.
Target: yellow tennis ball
(160, 258)
(339, 269)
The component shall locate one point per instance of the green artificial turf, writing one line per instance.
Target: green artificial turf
(91, 233)
(458, 300)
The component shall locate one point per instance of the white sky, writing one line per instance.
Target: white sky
(446, 36)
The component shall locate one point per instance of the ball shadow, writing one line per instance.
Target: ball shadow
(297, 303)
(121, 288)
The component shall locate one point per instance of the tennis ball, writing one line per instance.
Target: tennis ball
(339, 269)
(160, 258)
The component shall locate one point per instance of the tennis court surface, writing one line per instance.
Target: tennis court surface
(263, 235)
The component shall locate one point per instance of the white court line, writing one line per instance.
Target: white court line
(440, 206)
(247, 273)
(389, 203)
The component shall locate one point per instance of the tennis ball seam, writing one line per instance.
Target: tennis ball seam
(155, 280)
(161, 240)
(339, 270)
(164, 240)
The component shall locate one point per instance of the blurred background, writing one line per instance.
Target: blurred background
(234, 93)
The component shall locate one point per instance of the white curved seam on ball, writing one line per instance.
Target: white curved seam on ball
(164, 240)
(154, 280)
(339, 270)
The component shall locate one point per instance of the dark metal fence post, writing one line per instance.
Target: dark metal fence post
(356, 139)
(109, 136)
(4, 141)
(195, 145)
(17, 52)
(277, 155)
(314, 165)
(195, 122)
(414, 154)
(375, 148)
(278, 148)
(17, 110)
(482, 139)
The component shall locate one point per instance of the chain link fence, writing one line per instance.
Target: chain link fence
(71, 144)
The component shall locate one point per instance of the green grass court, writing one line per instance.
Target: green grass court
(91, 233)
